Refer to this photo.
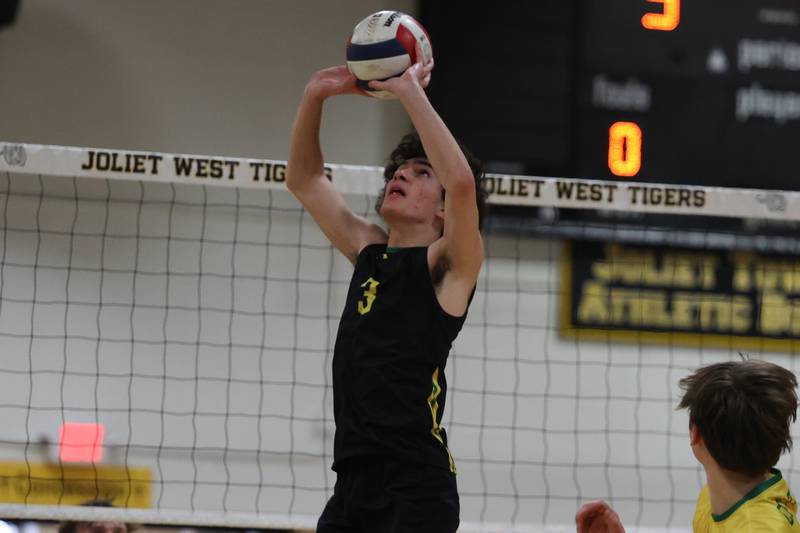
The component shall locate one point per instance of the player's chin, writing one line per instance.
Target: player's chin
(390, 209)
(395, 210)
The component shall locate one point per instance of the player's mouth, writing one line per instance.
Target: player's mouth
(395, 190)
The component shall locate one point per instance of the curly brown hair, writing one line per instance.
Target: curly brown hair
(410, 147)
(93, 525)
(743, 410)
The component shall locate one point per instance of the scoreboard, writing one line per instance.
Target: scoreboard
(686, 92)
(679, 91)
(698, 92)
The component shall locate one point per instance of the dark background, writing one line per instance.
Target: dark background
(8, 12)
(515, 82)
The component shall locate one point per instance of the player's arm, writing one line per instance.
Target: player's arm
(461, 243)
(305, 172)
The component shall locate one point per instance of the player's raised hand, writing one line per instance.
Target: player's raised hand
(598, 517)
(332, 81)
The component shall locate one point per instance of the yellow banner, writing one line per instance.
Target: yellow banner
(69, 484)
(729, 299)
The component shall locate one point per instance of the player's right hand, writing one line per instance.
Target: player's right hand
(598, 517)
(332, 81)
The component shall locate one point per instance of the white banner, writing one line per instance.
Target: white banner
(353, 179)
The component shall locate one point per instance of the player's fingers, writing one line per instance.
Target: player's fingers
(415, 71)
(615, 524)
(424, 71)
(592, 507)
(420, 55)
(359, 90)
(586, 515)
(426, 63)
(420, 74)
(584, 525)
(583, 519)
(598, 517)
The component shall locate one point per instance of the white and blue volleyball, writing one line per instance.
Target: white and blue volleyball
(383, 46)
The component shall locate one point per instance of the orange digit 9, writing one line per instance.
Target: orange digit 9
(667, 20)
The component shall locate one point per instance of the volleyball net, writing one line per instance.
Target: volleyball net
(167, 325)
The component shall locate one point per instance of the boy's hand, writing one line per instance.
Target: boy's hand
(598, 517)
(332, 81)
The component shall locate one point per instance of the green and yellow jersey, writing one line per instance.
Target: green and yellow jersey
(769, 507)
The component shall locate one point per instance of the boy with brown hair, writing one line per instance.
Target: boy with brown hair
(409, 293)
(739, 418)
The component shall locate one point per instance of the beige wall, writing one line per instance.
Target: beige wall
(195, 76)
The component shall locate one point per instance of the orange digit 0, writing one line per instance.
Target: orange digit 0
(625, 149)
(667, 20)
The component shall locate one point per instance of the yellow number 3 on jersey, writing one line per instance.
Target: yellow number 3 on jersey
(370, 294)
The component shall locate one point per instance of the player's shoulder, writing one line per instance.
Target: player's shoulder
(771, 519)
(702, 512)
(776, 510)
(703, 501)
(777, 505)
(770, 507)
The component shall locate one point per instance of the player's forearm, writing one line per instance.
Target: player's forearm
(305, 153)
(441, 147)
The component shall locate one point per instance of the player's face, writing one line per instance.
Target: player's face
(414, 193)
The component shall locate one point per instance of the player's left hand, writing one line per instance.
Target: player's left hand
(598, 517)
(417, 75)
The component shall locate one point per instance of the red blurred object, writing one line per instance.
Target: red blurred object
(81, 443)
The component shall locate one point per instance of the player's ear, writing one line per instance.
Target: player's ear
(694, 435)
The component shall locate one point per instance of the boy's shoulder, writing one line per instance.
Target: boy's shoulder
(769, 507)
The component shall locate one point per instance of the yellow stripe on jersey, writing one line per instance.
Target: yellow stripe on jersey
(433, 403)
(769, 507)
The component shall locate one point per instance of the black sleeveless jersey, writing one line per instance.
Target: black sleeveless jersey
(389, 386)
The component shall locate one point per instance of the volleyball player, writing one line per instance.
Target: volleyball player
(739, 418)
(407, 300)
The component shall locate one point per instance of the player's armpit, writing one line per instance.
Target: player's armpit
(453, 286)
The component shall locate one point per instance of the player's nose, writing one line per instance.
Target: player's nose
(400, 174)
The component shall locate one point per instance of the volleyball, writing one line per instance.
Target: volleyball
(383, 46)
